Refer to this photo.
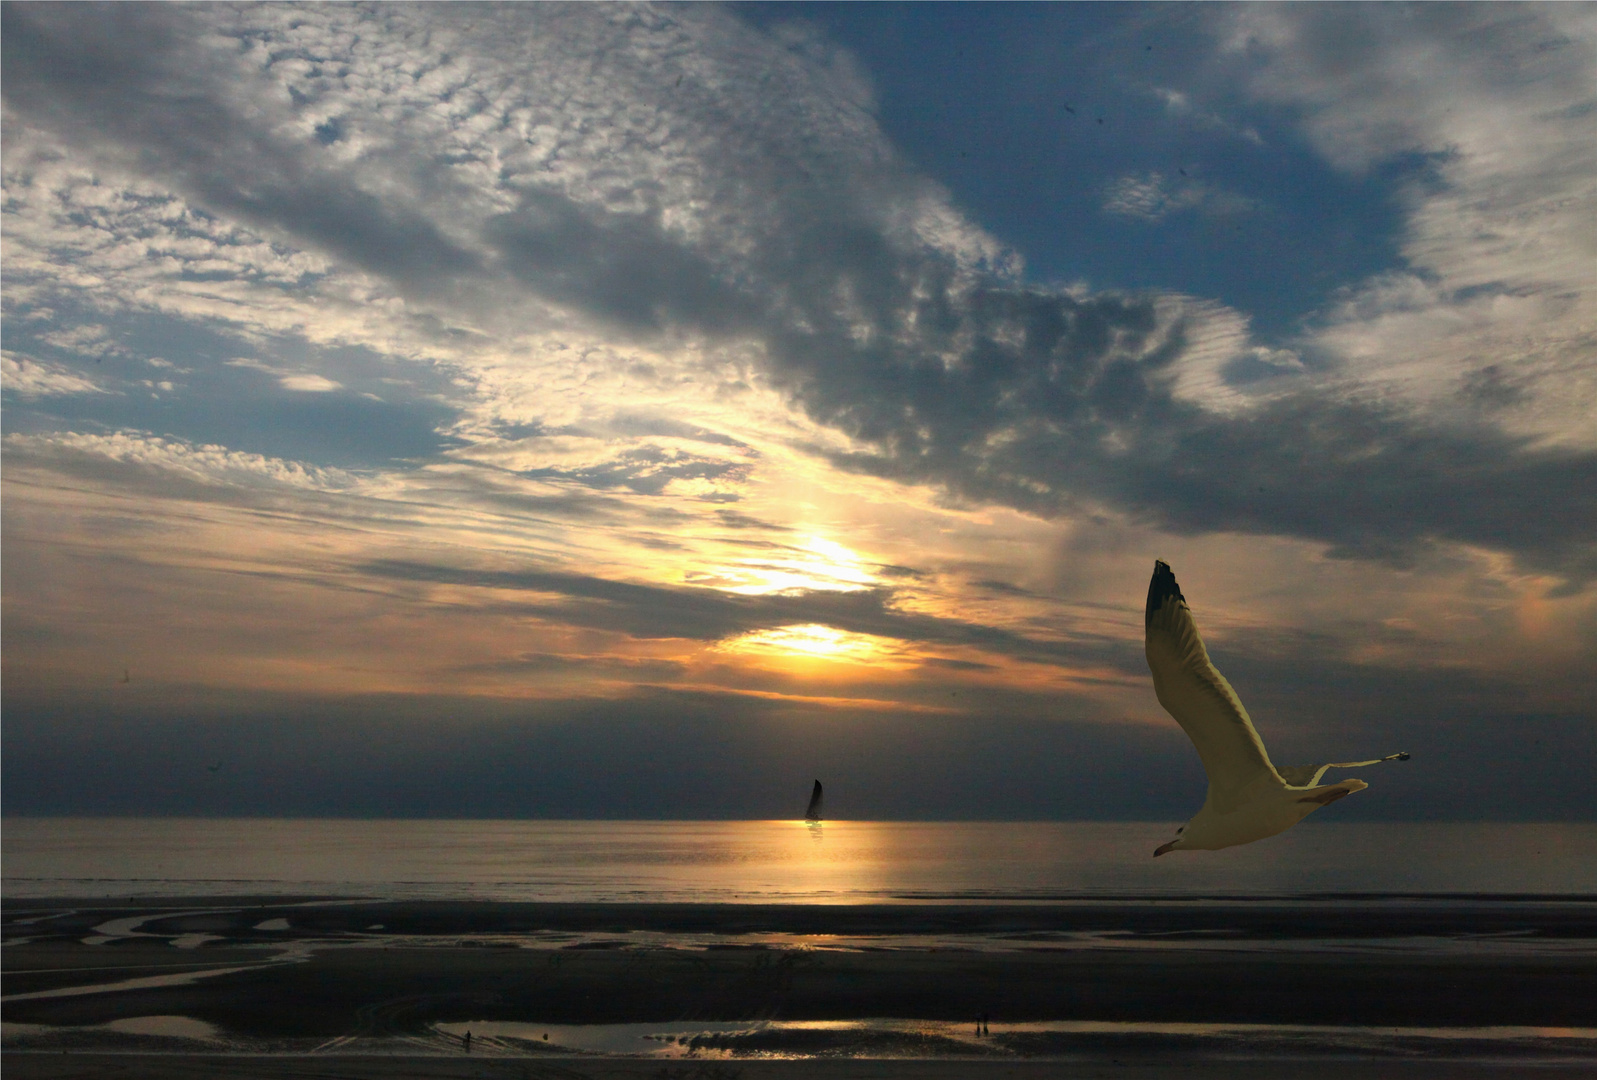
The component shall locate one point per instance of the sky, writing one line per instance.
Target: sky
(641, 411)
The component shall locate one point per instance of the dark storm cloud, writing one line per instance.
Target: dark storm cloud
(657, 754)
(621, 267)
(567, 505)
(732, 519)
(941, 370)
(1003, 587)
(686, 755)
(657, 611)
(1373, 481)
(956, 665)
(613, 667)
(1370, 480)
(1051, 401)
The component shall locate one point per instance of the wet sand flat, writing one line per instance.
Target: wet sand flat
(336, 989)
(310, 978)
(332, 1067)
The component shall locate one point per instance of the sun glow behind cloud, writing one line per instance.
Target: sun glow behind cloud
(817, 642)
(818, 564)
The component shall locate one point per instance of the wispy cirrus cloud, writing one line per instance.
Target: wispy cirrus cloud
(1153, 196)
(299, 381)
(211, 465)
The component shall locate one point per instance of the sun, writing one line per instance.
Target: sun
(814, 641)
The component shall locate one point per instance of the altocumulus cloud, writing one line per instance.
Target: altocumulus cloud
(682, 181)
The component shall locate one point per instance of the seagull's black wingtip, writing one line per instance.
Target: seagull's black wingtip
(1162, 587)
(1400, 757)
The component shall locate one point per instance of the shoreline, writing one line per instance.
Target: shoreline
(1351, 915)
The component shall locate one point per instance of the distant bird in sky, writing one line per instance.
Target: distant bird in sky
(813, 814)
(1249, 798)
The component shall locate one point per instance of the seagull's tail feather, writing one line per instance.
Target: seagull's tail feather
(1329, 794)
(1307, 776)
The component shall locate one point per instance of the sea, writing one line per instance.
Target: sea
(779, 862)
(1509, 897)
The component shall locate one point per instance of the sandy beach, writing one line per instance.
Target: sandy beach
(1127, 988)
(240, 1067)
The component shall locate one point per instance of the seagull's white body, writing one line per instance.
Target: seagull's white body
(1249, 798)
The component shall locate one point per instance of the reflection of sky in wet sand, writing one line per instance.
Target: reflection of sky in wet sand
(129, 927)
(176, 1027)
(164, 1027)
(1208, 941)
(149, 982)
(873, 1038)
(919, 1038)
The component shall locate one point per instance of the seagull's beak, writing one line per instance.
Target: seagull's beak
(1162, 848)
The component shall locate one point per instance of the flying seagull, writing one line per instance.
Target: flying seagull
(1249, 798)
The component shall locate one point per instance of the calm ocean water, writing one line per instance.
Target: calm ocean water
(773, 861)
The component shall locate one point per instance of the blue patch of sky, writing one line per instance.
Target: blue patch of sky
(213, 399)
(1031, 113)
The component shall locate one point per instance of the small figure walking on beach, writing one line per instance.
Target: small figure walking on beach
(467, 1040)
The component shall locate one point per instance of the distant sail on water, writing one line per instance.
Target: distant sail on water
(814, 812)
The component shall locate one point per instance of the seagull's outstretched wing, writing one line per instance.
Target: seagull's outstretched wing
(1200, 699)
(1307, 776)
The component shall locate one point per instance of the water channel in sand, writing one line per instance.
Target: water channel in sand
(871, 1038)
(897, 1037)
